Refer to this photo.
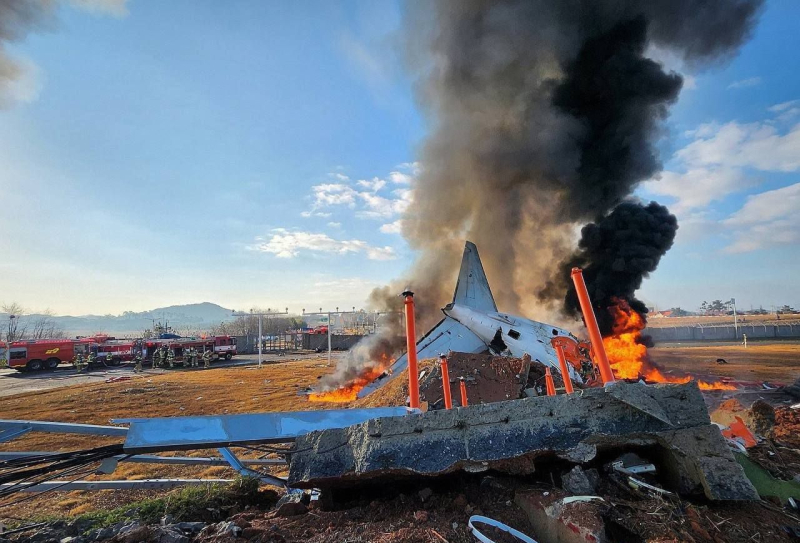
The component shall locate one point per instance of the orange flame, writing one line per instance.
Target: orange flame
(349, 391)
(628, 356)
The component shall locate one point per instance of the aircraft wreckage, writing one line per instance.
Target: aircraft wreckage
(346, 448)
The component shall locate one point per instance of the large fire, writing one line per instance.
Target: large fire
(628, 356)
(349, 391)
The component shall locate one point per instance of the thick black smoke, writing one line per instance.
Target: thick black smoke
(616, 252)
(544, 115)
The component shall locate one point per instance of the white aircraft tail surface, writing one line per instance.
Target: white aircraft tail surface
(472, 289)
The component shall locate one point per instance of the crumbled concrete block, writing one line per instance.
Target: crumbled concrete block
(512, 436)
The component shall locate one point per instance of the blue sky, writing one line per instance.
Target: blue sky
(158, 153)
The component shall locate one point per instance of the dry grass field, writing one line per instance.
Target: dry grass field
(773, 362)
(273, 388)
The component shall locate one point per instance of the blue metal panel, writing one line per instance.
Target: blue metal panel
(62, 428)
(176, 433)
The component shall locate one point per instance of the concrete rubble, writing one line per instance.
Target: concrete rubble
(671, 422)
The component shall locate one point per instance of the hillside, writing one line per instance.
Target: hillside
(189, 317)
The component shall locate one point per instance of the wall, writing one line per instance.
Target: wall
(723, 333)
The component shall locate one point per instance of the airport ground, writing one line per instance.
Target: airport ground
(242, 388)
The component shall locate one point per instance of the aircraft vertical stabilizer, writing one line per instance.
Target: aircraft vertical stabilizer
(472, 289)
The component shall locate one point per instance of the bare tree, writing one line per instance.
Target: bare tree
(44, 327)
(17, 324)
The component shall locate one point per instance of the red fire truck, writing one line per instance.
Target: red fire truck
(45, 354)
(179, 346)
(225, 347)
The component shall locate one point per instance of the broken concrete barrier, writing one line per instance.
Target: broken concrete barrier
(514, 436)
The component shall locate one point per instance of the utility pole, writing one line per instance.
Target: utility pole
(328, 314)
(735, 321)
(260, 314)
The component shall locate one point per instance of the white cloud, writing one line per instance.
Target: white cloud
(375, 184)
(716, 163)
(289, 244)
(744, 83)
(698, 187)
(20, 80)
(783, 106)
(329, 194)
(413, 167)
(401, 178)
(381, 253)
(786, 110)
(117, 8)
(335, 224)
(767, 219)
(379, 207)
(339, 176)
(395, 227)
(755, 145)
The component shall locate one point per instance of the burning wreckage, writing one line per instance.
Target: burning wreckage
(661, 434)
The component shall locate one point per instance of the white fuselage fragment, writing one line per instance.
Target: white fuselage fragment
(518, 334)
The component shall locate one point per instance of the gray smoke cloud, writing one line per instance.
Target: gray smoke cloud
(19, 78)
(544, 116)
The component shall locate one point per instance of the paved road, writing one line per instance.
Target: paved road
(14, 382)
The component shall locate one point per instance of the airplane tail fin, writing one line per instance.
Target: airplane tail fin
(472, 289)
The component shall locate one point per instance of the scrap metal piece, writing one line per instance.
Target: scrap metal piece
(13, 433)
(238, 466)
(66, 486)
(153, 459)
(62, 428)
(203, 432)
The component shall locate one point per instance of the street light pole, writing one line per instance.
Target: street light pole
(260, 314)
(735, 321)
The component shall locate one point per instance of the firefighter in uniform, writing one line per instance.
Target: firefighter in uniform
(79, 362)
(193, 357)
(109, 359)
(171, 358)
(156, 358)
(91, 360)
(138, 359)
(206, 358)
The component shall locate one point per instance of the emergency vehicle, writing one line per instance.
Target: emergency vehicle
(45, 354)
(225, 347)
(179, 347)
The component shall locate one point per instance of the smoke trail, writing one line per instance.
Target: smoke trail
(544, 116)
(616, 253)
(18, 76)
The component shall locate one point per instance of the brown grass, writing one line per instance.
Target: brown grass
(776, 362)
(272, 388)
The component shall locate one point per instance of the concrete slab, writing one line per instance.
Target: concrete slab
(514, 436)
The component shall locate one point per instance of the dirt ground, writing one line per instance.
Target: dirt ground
(272, 388)
(777, 363)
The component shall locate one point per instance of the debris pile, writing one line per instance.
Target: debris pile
(521, 436)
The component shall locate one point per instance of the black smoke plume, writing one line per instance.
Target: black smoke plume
(616, 253)
(543, 116)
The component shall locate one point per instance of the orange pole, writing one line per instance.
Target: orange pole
(411, 344)
(562, 362)
(548, 379)
(591, 325)
(448, 400)
(463, 393)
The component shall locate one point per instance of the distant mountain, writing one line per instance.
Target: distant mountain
(182, 318)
